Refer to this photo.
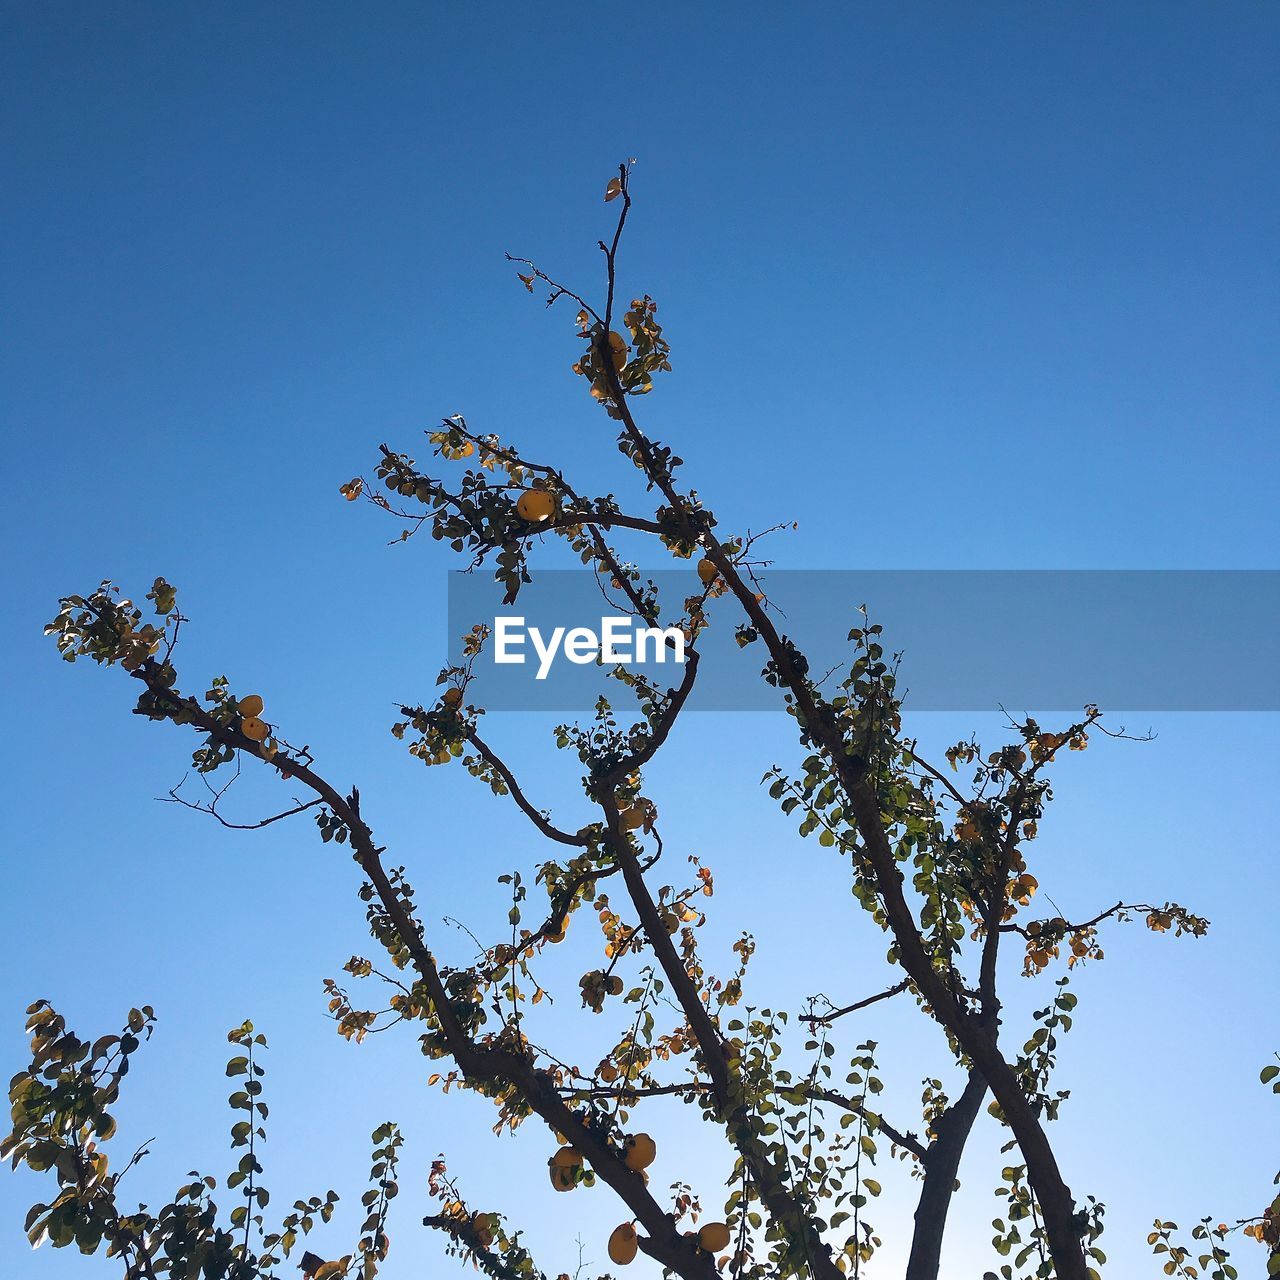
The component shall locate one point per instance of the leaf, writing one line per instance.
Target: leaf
(613, 190)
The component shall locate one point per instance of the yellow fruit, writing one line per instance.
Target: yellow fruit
(253, 729)
(451, 697)
(608, 1072)
(535, 505)
(623, 1244)
(565, 1166)
(633, 817)
(251, 705)
(707, 571)
(640, 1151)
(618, 349)
(714, 1236)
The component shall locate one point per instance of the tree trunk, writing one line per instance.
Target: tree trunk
(940, 1167)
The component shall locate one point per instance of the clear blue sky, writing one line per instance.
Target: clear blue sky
(955, 286)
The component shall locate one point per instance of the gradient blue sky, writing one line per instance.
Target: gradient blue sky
(953, 285)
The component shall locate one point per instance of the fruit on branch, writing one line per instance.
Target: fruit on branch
(640, 1151)
(451, 697)
(565, 1166)
(254, 729)
(714, 1236)
(618, 349)
(707, 571)
(250, 705)
(535, 505)
(637, 815)
(623, 1244)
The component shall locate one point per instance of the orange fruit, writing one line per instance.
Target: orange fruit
(633, 817)
(618, 350)
(536, 505)
(714, 1236)
(254, 729)
(623, 1244)
(250, 705)
(640, 1151)
(564, 1167)
(707, 571)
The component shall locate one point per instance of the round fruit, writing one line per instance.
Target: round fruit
(618, 349)
(707, 571)
(451, 697)
(714, 1236)
(623, 1244)
(251, 705)
(535, 505)
(608, 1072)
(483, 1230)
(633, 817)
(254, 729)
(615, 985)
(564, 1167)
(641, 1151)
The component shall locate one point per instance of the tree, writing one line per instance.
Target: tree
(941, 856)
